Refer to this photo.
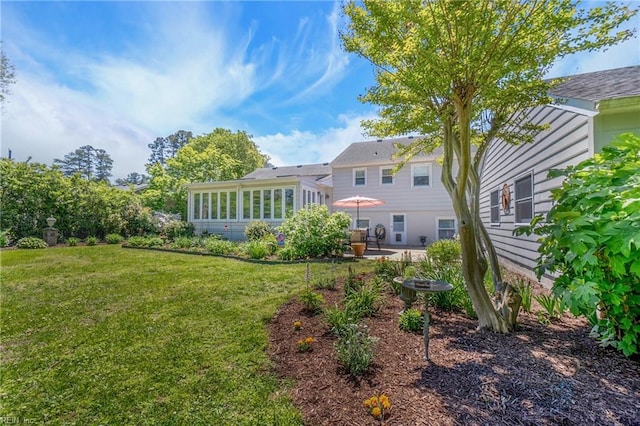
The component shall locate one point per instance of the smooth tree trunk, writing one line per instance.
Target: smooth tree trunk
(474, 262)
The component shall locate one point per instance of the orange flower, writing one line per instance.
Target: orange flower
(376, 412)
(309, 340)
(386, 404)
(300, 342)
(297, 325)
(367, 403)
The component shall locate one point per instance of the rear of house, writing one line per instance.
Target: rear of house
(417, 209)
(593, 109)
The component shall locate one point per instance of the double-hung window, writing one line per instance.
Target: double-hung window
(359, 177)
(421, 175)
(495, 207)
(386, 177)
(524, 198)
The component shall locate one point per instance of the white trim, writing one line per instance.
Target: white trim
(439, 218)
(392, 233)
(430, 174)
(498, 192)
(515, 197)
(353, 178)
(393, 177)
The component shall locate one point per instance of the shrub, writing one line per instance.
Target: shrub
(411, 320)
(524, 290)
(185, 242)
(363, 302)
(339, 320)
(113, 238)
(137, 241)
(176, 228)
(256, 230)
(31, 243)
(154, 242)
(352, 282)
(92, 241)
(324, 283)
(590, 238)
(444, 252)
(313, 232)
(256, 249)
(5, 238)
(312, 301)
(387, 270)
(354, 350)
(215, 245)
(73, 241)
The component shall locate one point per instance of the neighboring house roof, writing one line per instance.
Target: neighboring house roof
(600, 85)
(368, 153)
(317, 171)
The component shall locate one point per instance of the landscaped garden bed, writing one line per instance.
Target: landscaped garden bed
(548, 372)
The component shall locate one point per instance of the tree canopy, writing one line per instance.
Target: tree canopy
(164, 148)
(217, 156)
(7, 75)
(463, 74)
(88, 162)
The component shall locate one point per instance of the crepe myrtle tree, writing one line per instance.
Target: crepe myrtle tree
(463, 74)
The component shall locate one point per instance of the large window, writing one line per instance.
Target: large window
(524, 198)
(359, 177)
(421, 175)
(446, 229)
(495, 207)
(386, 177)
(246, 204)
(196, 206)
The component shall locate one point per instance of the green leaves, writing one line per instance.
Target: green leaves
(592, 238)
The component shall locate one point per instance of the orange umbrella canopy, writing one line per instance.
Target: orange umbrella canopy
(357, 201)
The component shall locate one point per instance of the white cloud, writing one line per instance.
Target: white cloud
(621, 55)
(49, 121)
(307, 148)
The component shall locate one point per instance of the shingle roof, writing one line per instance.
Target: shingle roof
(313, 170)
(601, 85)
(380, 151)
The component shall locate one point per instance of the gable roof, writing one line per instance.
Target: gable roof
(600, 85)
(317, 171)
(372, 152)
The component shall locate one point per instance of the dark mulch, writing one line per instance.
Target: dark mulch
(539, 375)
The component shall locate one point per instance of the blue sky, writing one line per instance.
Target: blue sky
(116, 75)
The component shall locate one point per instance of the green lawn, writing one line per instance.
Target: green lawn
(105, 335)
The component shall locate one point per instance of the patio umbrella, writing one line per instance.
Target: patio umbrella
(357, 202)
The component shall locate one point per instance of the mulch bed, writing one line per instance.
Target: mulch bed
(541, 374)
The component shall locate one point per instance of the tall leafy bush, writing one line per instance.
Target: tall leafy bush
(591, 240)
(314, 232)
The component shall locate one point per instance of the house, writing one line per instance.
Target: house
(591, 110)
(416, 210)
(269, 194)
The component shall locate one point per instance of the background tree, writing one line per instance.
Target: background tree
(133, 178)
(31, 192)
(219, 155)
(7, 75)
(88, 162)
(164, 148)
(460, 73)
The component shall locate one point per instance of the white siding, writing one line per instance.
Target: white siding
(421, 205)
(567, 141)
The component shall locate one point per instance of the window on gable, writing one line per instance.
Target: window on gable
(421, 175)
(524, 198)
(386, 177)
(495, 207)
(359, 177)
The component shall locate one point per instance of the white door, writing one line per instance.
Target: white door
(398, 229)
